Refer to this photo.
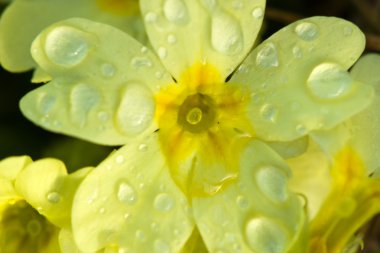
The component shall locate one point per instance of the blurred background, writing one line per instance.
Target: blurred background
(18, 136)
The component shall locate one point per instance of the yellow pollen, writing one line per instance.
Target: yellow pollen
(194, 116)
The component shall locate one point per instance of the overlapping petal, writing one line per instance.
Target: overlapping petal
(298, 79)
(103, 83)
(258, 213)
(23, 20)
(185, 32)
(131, 201)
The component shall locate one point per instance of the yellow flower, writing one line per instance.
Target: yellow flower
(195, 166)
(345, 194)
(22, 20)
(35, 203)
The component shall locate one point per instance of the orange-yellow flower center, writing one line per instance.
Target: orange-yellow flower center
(201, 118)
(119, 7)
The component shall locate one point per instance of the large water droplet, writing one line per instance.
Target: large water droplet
(46, 103)
(307, 31)
(226, 34)
(53, 197)
(136, 109)
(163, 202)
(269, 112)
(66, 46)
(329, 81)
(83, 98)
(126, 194)
(161, 246)
(176, 11)
(267, 56)
(265, 236)
(162, 52)
(273, 183)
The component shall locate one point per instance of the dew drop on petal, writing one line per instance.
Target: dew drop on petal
(226, 34)
(143, 147)
(66, 46)
(53, 197)
(267, 56)
(265, 236)
(103, 116)
(272, 182)
(139, 62)
(269, 112)
(329, 81)
(171, 39)
(163, 202)
(83, 98)
(136, 109)
(126, 194)
(108, 70)
(297, 52)
(151, 17)
(162, 53)
(120, 159)
(46, 103)
(176, 11)
(301, 129)
(307, 31)
(258, 13)
(242, 202)
(210, 5)
(161, 246)
(347, 31)
(140, 235)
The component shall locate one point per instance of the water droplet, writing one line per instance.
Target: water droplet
(120, 159)
(159, 74)
(347, 31)
(93, 197)
(102, 210)
(143, 147)
(53, 197)
(66, 46)
(136, 109)
(307, 31)
(172, 39)
(126, 216)
(140, 235)
(267, 56)
(297, 52)
(242, 202)
(210, 5)
(126, 194)
(144, 50)
(269, 112)
(138, 62)
(301, 129)
(226, 34)
(103, 116)
(154, 226)
(265, 236)
(329, 81)
(151, 17)
(237, 4)
(45, 103)
(108, 70)
(162, 52)
(163, 202)
(83, 98)
(273, 183)
(161, 246)
(258, 13)
(176, 11)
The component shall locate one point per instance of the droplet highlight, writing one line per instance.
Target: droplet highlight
(307, 31)
(53, 197)
(176, 12)
(126, 194)
(163, 202)
(272, 182)
(267, 56)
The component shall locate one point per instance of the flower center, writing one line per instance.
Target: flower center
(23, 229)
(197, 113)
(119, 7)
(200, 120)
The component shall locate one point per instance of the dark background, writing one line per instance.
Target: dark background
(18, 136)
